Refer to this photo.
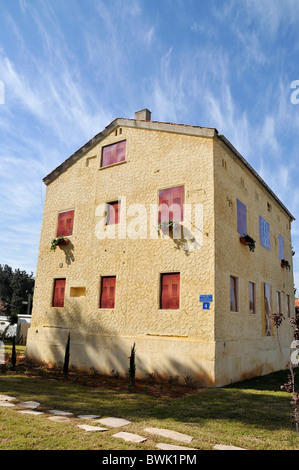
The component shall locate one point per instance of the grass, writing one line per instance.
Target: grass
(254, 415)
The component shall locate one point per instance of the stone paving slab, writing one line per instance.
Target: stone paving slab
(225, 447)
(114, 422)
(59, 419)
(29, 404)
(60, 413)
(129, 437)
(6, 403)
(6, 398)
(162, 446)
(170, 434)
(88, 428)
(88, 416)
(31, 412)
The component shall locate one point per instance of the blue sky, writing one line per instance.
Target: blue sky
(69, 67)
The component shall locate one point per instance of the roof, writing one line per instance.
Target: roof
(165, 127)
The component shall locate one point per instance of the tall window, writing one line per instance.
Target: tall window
(288, 305)
(114, 153)
(171, 204)
(233, 294)
(59, 292)
(278, 299)
(281, 247)
(170, 291)
(251, 297)
(264, 233)
(107, 299)
(113, 212)
(267, 308)
(241, 218)
(65, 224)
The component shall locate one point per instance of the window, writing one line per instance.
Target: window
(170, 291)
(233, 294)
(281, 247)
(113, 213)
(251, 297)
(114, 153)
(108, 285)
(278, 298)
(264, 233)
(241, 218)
(288, 305)
(171, 204)
(267, 308)
(65, 224)
(59, 291)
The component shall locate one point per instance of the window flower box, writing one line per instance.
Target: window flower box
(285, 264)
(59, 241)
(167, 227)
(248, 241)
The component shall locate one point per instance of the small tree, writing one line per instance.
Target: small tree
(67, 356)
(132, 367)
(13, 354)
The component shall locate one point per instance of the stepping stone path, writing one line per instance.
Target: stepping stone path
(29, 404)
(224, 447)
(88, 428)
(60, 413)
(88, 416)
(6, 398)
(114, 422)
(65, 416)
(127, 436)
(170, 434)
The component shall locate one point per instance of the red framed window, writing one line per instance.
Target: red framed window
(65, 224)
(108, 285)
(114, 153)
(59, 293)
(170, 291)
(171, 204)
(113, 212)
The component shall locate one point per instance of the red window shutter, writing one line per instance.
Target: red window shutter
(114, 153)
(65, 224)
(59, 292)
(113, 213)
(108, 292)
(170, 291)
(171, 204)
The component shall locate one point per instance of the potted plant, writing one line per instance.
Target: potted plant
(248, 241)
(167, 226)
(58, 242)
(285, 264)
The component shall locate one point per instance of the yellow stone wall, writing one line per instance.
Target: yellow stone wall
(184, 342)
(168, 342)
(242, 350)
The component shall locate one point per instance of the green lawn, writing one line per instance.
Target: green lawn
(255, 415)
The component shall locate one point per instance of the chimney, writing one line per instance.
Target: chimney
(143, 115)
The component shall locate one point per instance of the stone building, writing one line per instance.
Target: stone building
(195, 295)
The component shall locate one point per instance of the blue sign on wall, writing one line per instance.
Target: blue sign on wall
(206, 305)
(206, 298)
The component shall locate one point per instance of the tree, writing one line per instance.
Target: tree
(15, 287)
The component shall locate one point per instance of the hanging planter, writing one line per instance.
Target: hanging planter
(166, 227)
(59, 241)
(248, 241)
(285, 264)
